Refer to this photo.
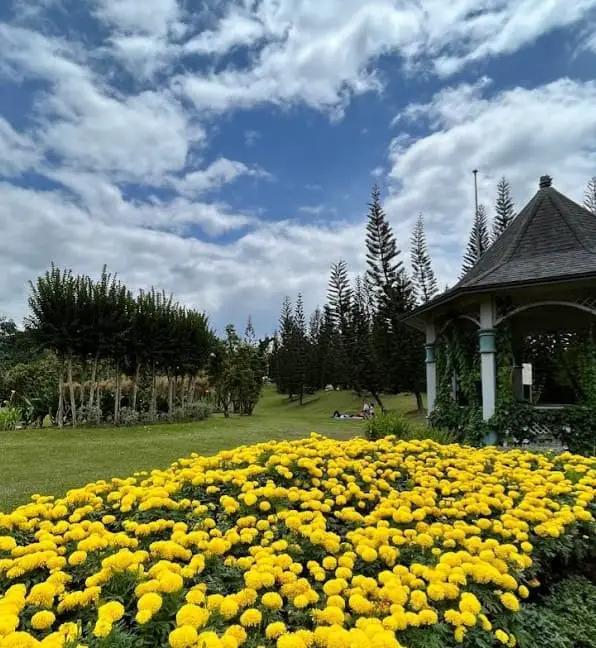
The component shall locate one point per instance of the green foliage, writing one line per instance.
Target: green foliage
(423, 276)
(478, 242)
(563, 619)
(9, 417)
(504, 211)
(388, 424)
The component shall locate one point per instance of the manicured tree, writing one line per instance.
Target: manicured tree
(423, 276)
(478, 242)
(54, 324)
(504, 210)
(590, 195)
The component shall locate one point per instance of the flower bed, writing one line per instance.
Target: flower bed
(296, 544)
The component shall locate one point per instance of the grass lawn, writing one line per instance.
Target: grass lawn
(51, 461)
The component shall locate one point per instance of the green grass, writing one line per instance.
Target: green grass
(51, 461)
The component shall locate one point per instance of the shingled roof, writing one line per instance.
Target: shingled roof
(552, 237)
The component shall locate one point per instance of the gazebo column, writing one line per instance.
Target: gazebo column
(431, 368)
(488, 365)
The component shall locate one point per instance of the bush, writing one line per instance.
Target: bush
(387, 424)
(9, 417)
(392, 424)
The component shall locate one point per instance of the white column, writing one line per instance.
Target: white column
(488, 369)
(431, 368)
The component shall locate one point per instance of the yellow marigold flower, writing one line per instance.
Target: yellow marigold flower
(301, 601)
(7, 543)
(502, 636)
(459, 634)
(290, 640)
(523, 591)
(19, 640)
(251, 617)
(183, 637)
(510, 601)
(275, 630)
(238, 632)
(77, 558)
(272, 601)
(42, 620)
(113, 611)
(102, 628)
(150, 602)
(192, 615)
(229, 607)
(170, 582)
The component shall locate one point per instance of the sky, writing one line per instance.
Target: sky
(224, 151)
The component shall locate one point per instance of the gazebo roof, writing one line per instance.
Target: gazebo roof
(552, 237)
(551, 240)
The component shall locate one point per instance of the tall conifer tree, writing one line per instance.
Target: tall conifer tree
(504, 211)
(478, 242)
(590, 195)
(423, 276)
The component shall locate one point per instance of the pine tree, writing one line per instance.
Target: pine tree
(423, 276)
(590, 195)
(249, 331)
(339, 295)
(385, 269)
(400, 346)
(286, 358)
(478, 242)
(504, 212)
(299, 346)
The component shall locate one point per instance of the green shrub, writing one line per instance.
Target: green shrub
(387, 424)
(9, 417)
(563, 619)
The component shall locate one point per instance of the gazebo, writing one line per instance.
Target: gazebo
(539, 275)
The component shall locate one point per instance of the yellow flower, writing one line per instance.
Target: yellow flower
(251, 617)
(501, 636)
(42, 620)
(150, 602)
(183, 637)
(192, 615)
(510, 601)
(272, 601)
(112, 611)
(275, 630)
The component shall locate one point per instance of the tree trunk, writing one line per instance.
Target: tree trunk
(117, 396)
(183, 394)
(191, 390)
(135, 389)
(60, 412)
(170, 397)
(73, 403)
(93, 380)
(153, 406)
(419, 401)
(98, 402)
(378, 399)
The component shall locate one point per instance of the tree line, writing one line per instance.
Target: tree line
(357, 340)
(110, 353)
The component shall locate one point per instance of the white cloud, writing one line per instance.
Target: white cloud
(153, 17)
(251, 136)
(17, 152)
(220, 172)
(322, 54)
(520, 133)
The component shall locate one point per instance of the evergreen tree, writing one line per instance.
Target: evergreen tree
(299, 347)
(590, 195)
(339, 295)
(314, 379)
(286, 361)
(392, 294)
(504, 212)
(423, 276)
(478, 242)
(384, 268)
(249, 331)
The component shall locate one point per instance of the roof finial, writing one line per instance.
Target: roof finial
(545, 181)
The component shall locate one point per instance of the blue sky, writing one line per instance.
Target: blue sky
(225, 151)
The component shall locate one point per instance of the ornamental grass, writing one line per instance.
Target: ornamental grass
(316, 542)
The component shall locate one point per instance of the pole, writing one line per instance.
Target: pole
(475, 172)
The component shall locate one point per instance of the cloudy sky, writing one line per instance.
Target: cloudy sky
(224, 150)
